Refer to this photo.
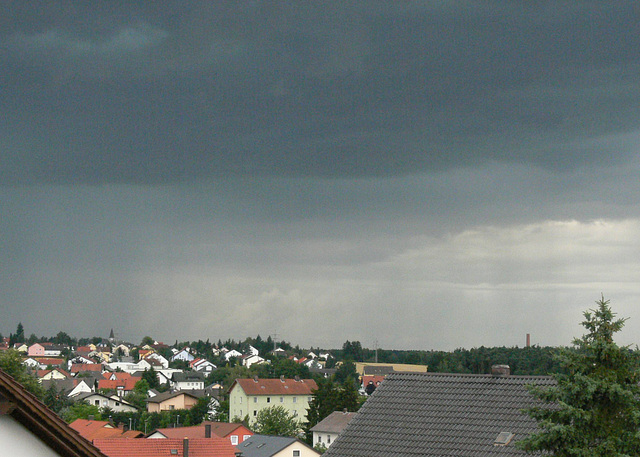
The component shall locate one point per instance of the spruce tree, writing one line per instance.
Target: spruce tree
(594, 409)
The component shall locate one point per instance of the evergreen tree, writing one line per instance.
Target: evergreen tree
(594, 410)
(151, 376)
(19, 336)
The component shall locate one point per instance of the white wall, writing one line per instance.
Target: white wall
(17, 441)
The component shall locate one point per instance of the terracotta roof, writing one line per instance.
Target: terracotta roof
(92, 429)
(276, 386)
(80, 367)
(221, 429)
(120, 375)
(205, 447)
(42, 373)
(26, 409)
(49, 361)
(118, 384)
(443, 415)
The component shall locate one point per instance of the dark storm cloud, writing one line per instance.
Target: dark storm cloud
(98, 92)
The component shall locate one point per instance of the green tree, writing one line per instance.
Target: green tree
(151, 376)
(81, 410)
(346, 370)
(276, 420)
(54, 399)
(594, 409)
(19, 337)
(11, 363)
(147, 340)
(329, 397)
(200, 410)
(138, 395)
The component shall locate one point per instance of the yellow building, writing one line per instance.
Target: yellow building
(248, 396)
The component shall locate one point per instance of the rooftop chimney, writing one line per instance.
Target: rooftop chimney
(281, 378)
(528, 339)
(207, 430)
(185, 447)
(255, 378)
(500, 370)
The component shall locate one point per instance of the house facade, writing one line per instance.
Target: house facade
(248, 396)
(188, 380)
(113, 402)
(171, 400)
(327, 430)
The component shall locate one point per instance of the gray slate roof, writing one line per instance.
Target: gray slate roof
(264, 445)
(334, 422)
(433, 414)
(188, 376)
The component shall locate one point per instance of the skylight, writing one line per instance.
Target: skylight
(503, 438)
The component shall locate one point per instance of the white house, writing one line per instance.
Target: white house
(184, 355)
(232, 353)
(189, 380)
(327, 430)
(203, 365)
(113, 402)
(155, 356)
(129, 367)
(251, 359)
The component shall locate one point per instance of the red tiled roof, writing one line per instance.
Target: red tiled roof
(205, 447)
(377, 379)
(91, 430)
(277, 386)
(43, 373)
(221, 429)
(49, 361)
(120, 375)
(79, 367)
(118, 384)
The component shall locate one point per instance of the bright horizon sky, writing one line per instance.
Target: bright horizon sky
(427, 175)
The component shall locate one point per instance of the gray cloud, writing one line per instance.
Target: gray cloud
(329, 90)
(428, 174)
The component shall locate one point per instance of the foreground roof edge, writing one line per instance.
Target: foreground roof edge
(26, 409)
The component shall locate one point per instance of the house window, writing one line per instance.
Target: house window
(295, 399)
(97, 402)
(296, 453)
(328, 438)
(319, 439)
(255, 399)
(172, 406)
(234, 440)
(281, 399)
(255, 413)
(268, 399)
(246, 437)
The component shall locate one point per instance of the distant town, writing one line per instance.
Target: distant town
(104, 387)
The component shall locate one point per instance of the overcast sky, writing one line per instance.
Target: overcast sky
(427, 175)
